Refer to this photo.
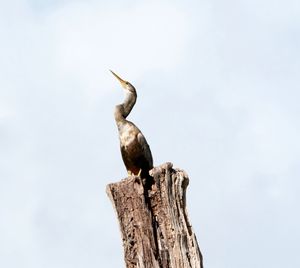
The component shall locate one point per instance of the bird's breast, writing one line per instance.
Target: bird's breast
(127, 137)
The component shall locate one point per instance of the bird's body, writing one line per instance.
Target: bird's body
(135, 150)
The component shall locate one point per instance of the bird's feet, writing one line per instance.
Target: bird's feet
(130, 173)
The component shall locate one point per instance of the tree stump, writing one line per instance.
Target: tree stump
(154, 224)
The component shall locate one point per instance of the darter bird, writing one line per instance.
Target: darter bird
(135, 150)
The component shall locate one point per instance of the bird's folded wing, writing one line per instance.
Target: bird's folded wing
(146, 149)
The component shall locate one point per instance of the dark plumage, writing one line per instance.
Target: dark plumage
(135, 150)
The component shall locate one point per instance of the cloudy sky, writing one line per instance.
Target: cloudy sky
(219, 88)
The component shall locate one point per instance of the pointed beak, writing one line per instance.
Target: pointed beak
(123, 82)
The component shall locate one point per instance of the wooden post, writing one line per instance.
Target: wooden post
(155, 229)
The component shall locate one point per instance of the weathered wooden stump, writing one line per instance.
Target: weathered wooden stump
(154, 224)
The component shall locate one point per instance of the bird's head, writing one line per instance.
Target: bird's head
(125, 84)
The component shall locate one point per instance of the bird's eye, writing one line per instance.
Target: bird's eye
(127, 83)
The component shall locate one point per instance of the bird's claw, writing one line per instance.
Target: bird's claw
(130, 173)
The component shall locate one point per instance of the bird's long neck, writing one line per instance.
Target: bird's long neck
(123, 110)
(129, 102)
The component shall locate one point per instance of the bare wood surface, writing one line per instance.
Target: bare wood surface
(154, 224)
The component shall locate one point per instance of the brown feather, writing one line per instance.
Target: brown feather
(135, 150)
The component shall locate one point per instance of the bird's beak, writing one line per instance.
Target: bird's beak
(123, 82)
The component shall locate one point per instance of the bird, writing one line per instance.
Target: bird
(135, 150)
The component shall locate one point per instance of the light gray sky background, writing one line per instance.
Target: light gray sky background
(218, 85)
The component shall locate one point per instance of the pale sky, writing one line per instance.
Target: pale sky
(218, 96)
